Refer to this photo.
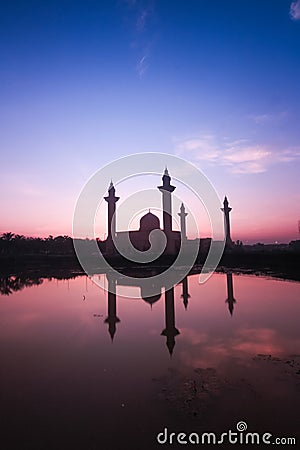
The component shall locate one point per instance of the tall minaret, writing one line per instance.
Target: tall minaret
(170, 331)
(112, 318)
(111, 216)
(166, 189)
(182, 216)
(226, 210)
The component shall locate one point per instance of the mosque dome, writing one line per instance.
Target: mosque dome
(149, 222)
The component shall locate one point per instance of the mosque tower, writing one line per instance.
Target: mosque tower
(226, 210)
(182, 216)
(111, 199)
(166, 189)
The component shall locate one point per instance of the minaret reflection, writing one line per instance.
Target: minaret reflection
(170, 331)
(230, 298)
(112, 318)
(150, 293)
(185, 292)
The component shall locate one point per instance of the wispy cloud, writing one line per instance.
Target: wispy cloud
(142, 66)
(240, 156)
(203, 147)
(141, 13)
(268, 117)
(143, 16)
(246, 154)
(289, 155)
(249, 167)
(261, 118)
(295, 10)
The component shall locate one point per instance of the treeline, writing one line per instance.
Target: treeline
(16, 244)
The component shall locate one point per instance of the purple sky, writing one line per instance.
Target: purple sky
(217, 83)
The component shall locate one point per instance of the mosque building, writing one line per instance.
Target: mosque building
(149, 222)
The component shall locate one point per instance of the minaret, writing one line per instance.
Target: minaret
(111, 215)
(185, 292)
(182, 216)
(166, 189)
(230, 298)
(170, 331)
(112, 318)
(226, 210)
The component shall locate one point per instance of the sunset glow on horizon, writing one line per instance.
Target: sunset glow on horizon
(215, 83)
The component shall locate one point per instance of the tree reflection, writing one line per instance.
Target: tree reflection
(13, 283)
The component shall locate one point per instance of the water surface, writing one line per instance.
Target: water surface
(84, 369)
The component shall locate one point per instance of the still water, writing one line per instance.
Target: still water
(84, 369)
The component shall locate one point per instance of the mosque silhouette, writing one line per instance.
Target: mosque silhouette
(139, 239)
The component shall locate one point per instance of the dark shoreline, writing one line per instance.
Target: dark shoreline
(283, 265)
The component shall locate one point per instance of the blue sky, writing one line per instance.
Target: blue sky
(215, 82)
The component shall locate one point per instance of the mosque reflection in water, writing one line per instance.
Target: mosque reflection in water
(170, 331)
(149, 292)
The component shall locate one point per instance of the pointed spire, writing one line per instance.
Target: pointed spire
(111, 185)
(182, 208)
(182, 214)
(226, 210)
(166, 189)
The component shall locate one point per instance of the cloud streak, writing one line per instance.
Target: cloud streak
(141, 21)
(240, 156)
(142, 66)
(266, 118)
(141, 15)
(295, 10)
(246, 154)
